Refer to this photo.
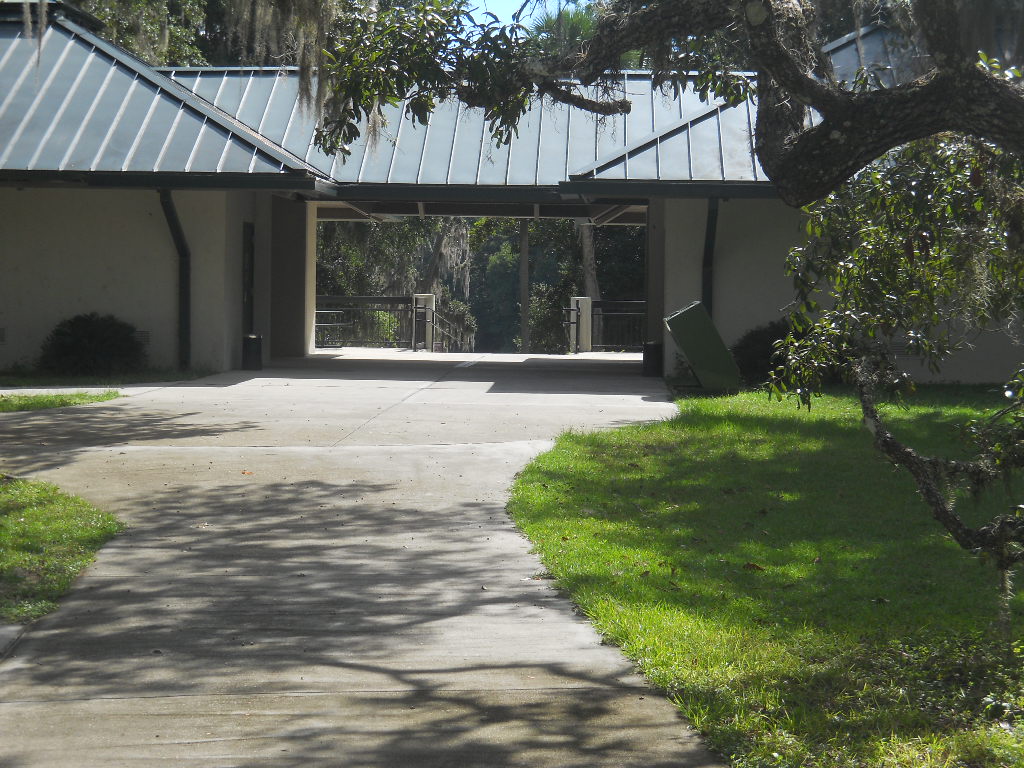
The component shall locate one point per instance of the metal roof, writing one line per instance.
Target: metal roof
(78, 105)
(665, 137)
(878, 50)
(715, 144)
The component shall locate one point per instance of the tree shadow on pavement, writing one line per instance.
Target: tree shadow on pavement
(323, 619)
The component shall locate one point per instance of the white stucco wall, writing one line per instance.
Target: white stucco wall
(64, 252)
(751, 287)
(204, 218)
(752, 241)
(217, 282)
(990, 356)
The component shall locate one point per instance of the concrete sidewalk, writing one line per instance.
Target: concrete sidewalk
(319, 572)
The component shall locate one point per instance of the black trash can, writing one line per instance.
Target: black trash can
(654, 359)
(252, 352)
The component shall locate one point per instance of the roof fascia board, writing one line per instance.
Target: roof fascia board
(207, 110)
(594, 188)
(466, 208)
(447, 192)
(147, 180)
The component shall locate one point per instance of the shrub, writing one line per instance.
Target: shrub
(547, 331)
(92, 344)
(754, 349)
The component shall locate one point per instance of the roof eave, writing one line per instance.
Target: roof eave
(643, 189)
(144, 180)
(444, 192)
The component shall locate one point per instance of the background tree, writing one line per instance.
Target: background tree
(557, 274)
(397, 259)
(157, 31)
(219, 32)
(564, 32)
(554, 277)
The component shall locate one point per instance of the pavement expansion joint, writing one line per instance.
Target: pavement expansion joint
(396, 404)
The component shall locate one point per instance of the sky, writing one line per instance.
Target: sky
(504, 9)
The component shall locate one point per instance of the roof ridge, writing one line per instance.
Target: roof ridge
(621, 153)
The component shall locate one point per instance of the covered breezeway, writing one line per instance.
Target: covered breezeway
(684, 169)
(191, 199)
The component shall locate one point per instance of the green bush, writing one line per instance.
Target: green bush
(547, 331)
(92, 344)
(754, 349)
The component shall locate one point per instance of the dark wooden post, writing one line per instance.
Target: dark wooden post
(524, 284)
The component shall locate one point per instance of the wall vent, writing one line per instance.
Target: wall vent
(143, 336)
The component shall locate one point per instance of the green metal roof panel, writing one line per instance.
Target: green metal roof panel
(876, 49)
(713, 145)
(75, 103)
(439, 142)
(79, 104)
(555, 142)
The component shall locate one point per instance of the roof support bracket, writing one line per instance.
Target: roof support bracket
(609, 214)
(707, 270)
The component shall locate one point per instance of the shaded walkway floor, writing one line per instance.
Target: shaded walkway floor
(319, 572)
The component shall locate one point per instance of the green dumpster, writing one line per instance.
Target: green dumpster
(700, 343)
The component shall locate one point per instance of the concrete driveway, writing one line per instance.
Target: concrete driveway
(319, 571)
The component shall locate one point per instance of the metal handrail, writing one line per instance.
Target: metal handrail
(379, 321)
(610, 316)
(573, 315)
(324, 302)
(447, 329)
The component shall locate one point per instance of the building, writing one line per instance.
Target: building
(185, 201)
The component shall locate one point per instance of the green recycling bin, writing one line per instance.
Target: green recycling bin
(700, 343)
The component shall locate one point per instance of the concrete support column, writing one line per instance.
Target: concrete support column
(289, 260)
(675, 241)
(583, 337)
(426, 302)
(654, 271)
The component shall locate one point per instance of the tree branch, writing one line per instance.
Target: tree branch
(626, 25)
(785, 51)
(933, 477)
(599, 107)
(939, 22)
(808, 163)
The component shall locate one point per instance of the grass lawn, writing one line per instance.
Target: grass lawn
(783, 583)
(10, 403)
(46, 538)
